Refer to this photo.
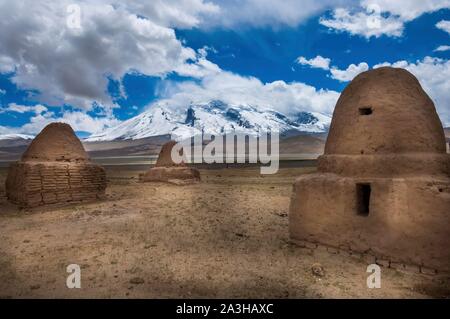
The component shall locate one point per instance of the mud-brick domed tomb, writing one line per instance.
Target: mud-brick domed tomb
(383, 183)
(54, 169)
(166, 170)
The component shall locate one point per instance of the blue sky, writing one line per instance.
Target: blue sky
(121, 59)
(270, 54)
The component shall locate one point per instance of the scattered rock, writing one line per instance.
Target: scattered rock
(136, 281)
(35, 287)
(427, 271)
(282, 214)
(310, 245)
(383, 262)
(318, 270)
(133, 270)
(332, 250)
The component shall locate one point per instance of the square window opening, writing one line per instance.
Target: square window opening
(365, 111)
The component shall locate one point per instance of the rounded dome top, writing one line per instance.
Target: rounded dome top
(165, 156)
(383, 111)
(56, 142)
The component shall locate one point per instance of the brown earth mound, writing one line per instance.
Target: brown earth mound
(385, 111)
(166, 170)
(57, 142)
(383, 184)
(165, 156)
(54, 169)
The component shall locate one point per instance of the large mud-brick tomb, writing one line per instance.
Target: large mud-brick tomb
(166, 170)
(383, 184)
(54, 169)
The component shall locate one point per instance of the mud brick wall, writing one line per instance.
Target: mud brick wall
(165, 156)
(2, 194)
(369, 258)
(406, 219)
(381, 185)
(31, 184)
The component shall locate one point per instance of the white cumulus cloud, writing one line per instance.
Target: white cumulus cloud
(444, 25)
(17, 108)
(317, 62)
(349, 73)
(374, 18)
(262, 13)
(433, 74)
(80, 121)
(67, 66)
(341, 75)
(71, 66)
(172, 13)
(442, 48)
(287, 98)
(363, 23)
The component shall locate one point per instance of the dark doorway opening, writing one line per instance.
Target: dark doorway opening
(365, 110)
(363, 199)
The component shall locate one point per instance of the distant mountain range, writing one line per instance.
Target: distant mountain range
(310, 144)
(12, 137)
(214, 117)
(303, 133)
(144, 134)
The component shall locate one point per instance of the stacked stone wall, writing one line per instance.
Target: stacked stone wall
(32, 184)
(370, 258)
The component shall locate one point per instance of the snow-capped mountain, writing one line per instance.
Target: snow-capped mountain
(214, 118)
(15, 137)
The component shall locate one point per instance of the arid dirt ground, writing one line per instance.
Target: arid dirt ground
(225, 237)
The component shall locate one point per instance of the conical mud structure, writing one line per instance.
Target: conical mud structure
(383, 185)
(165, 170)
(54, 169)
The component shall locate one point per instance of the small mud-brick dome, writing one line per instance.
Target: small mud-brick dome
(165, 156)
(56, 142)
(383, 185)
(384, 124)
(385, 111)
(166, 170)
(54, 169)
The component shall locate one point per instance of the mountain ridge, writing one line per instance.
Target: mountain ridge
(215, 118)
